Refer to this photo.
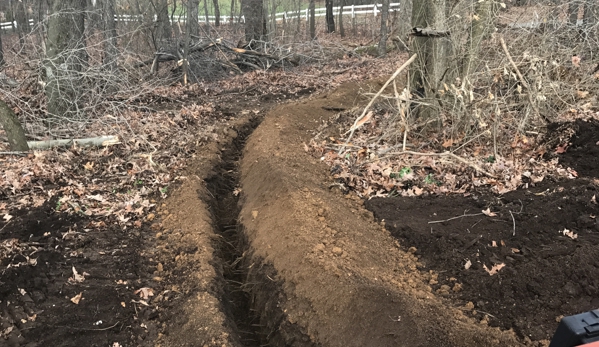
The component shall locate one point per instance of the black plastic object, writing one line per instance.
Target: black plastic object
(577, 330)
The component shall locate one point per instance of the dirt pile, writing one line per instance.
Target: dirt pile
(338, 277)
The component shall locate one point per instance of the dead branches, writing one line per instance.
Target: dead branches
(227, 56)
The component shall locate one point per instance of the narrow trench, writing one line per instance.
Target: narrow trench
(225, 211)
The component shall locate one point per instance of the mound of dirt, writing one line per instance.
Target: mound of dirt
(546, 238)
(319, 261)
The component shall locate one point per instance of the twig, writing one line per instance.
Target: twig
(87, 329)
(447, 154)
(457, 217)
(353, 128)
(522, 80)
(514, 221)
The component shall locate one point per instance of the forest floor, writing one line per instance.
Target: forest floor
(222, 222)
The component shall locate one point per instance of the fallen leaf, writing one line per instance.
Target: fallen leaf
(488, 212)
(468, 264)
(594, 200)
(447, 143)
(7, 217)
(493, 244)
(77, 278)
(561, 149)
(494, 269)
(569, 233)
(88, 166)
(144, 292)
(254, 214)
(75, 300)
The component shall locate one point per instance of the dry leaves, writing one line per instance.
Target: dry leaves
(494, 269)
(77, 298)
(569, 234)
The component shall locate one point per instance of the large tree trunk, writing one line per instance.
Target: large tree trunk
(329, 16)
(312, 15)
(216, 13)
(253, 10)
(164, 31)
(384, 33)
(481, 27)
(66, 50)
(111, 52)
(433, 48)
(12, 127)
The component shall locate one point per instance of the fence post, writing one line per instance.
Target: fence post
(375, 10)
(306, 15)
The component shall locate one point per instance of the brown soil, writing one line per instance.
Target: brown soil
(324, 272)
(36, 306)
(257, 246)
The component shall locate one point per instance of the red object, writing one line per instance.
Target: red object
(592, 344)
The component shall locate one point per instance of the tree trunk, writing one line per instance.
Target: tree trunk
(2, 62)
(64, 60)
(164, 31)
(216, 13)
(111, 52)
(12, 127)
(22, 20)
(312, 15)
(384, 34)
(481, 27)
(404, 27)
(254, 20)
(329, 16)
(431, 66)
(341, 28)
(232, 15)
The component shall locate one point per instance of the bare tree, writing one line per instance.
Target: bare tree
(312, 14)
(384, 32)
(65, 56)
(341, 28)
(111, 52)
(329, 16)
(164, 31)
(22, 19)
(217, 13)
(254, 20)
(433, 47)
(2, 62)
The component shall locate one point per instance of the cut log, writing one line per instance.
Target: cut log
(92, 141)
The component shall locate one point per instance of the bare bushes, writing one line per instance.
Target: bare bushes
(531, 67)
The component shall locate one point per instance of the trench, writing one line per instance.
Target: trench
(253, 301)
(231, 244)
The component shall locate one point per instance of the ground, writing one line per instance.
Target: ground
(255, 243)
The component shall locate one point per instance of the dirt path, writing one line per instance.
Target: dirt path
(323, 272)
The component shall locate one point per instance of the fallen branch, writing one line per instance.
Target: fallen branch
(447, 154)
(392, 78)
(92, 141)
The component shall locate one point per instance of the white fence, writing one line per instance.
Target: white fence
(350, 10)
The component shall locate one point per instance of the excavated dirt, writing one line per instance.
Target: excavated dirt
(322, 271)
